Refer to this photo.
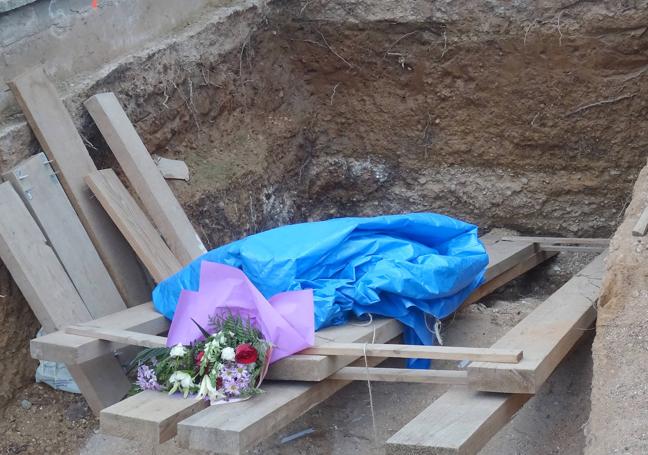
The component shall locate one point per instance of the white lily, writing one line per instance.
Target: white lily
(207, 389)
(181, 381)
(178, 351)
(228, 354)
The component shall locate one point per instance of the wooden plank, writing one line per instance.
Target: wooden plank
(35, 267)
(560, 240)
(133, 224)
(406, 351)
(34, 180)
(55, 130)
(126, 337)
(140, 169)
(460, 422)
(319, 367)
(67, 348)
(546, 335)
(571, 248)
(149, 417)
(101, 381)
(401, 375)
(502, 255)
(641, 227)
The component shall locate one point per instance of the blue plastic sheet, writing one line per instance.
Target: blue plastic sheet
(398, 266)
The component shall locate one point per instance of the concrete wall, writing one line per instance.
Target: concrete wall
(71, 39)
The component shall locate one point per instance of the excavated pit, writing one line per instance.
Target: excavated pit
(532, 119)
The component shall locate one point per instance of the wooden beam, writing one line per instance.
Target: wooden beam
(142, 173)
(67, 348)
(560, 240)
(571, 248)
(133, 224)
(126, 337)
(641, 227)
(504, 255)
(405, 351)
(461, 422)
(34, 180)
(401, 375)
(35, 267)
(546, 335)
(55, 130)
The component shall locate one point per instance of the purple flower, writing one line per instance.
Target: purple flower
(146, 379)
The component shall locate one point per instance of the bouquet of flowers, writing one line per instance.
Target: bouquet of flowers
(228, 364)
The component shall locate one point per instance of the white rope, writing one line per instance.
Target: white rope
(371, 404)
(436, 330)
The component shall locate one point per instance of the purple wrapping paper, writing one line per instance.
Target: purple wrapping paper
(286, 320)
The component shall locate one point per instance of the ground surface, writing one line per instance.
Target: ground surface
(550, 423)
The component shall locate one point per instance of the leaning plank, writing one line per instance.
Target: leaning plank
(126, 337)
(404, 351)
(35, 267)
(641, 227)
(401, 375)
(67, 348)
(460, 422)
(36, 183)
(58, 136)
(133, 224)
(546, 335)
(144, 176)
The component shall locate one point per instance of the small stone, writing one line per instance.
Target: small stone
(25, 404)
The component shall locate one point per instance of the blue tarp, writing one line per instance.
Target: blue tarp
(398, 266)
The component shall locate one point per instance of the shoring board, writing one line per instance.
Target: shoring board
(126, 337)
(404, 351)
(34, 180)
(545, 335)
(35, 267)
(471, 418)
(56, 133)
(144, 176)
(362, 373)
(460, 422)
(52, 296)
(133, 224)
(560, 240)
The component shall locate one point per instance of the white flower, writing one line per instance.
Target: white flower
(228, 354)
(178, 351)
(181, 380)
(207, 389)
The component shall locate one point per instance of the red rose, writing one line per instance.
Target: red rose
(219, 382)
(245, 353)
(199, 357)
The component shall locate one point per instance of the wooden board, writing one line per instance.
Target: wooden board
(55, 130)
(401, 375)
(405, 351)
(34, 180)
(149, 417)
(460, 422)
(502, 255)
(35, 267)
(144, 176)
(546, 335)
(560, 240)
(67, 348)
(126, 337)
(133, 224)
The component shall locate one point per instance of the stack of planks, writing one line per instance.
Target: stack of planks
(90, 310)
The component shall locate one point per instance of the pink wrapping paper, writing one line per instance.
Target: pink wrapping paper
(286, 320)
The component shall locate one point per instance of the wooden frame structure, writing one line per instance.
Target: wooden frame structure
(86, 325)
